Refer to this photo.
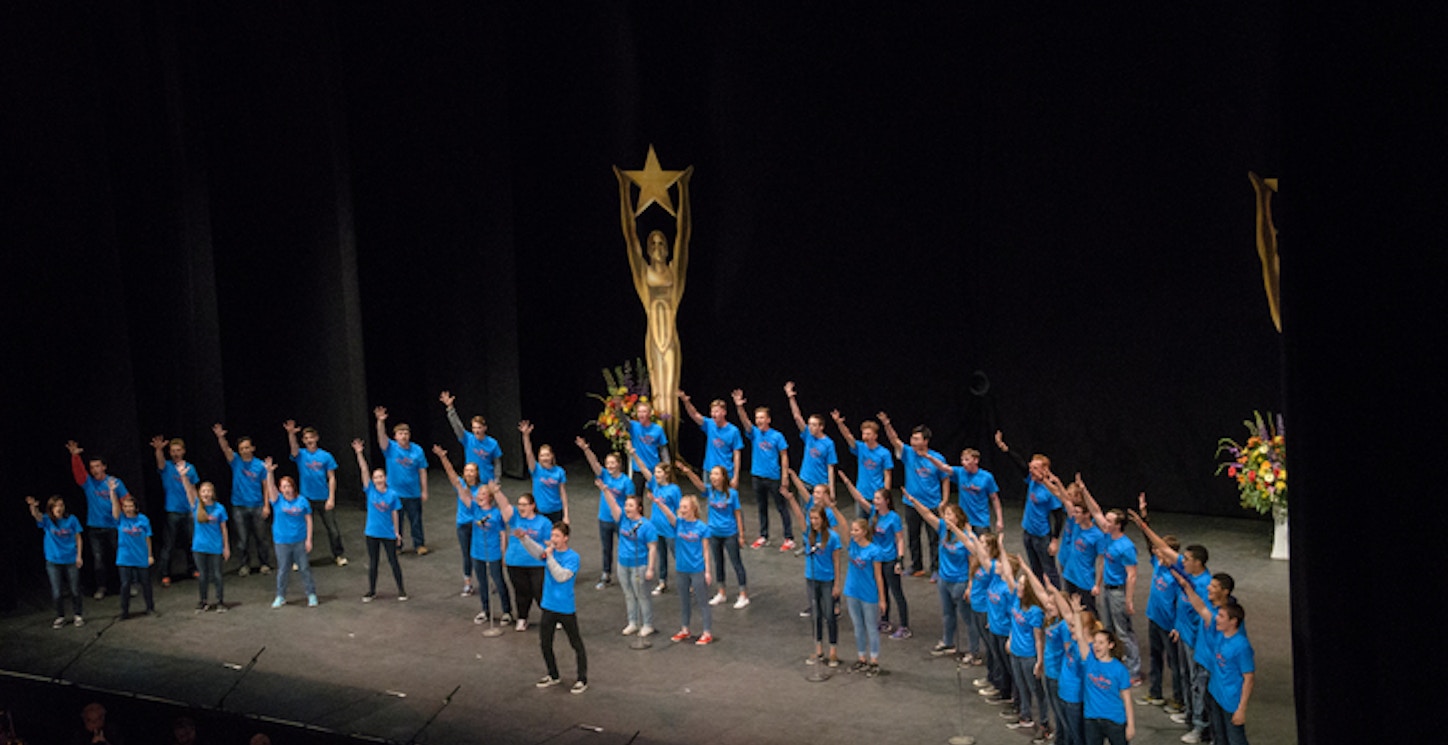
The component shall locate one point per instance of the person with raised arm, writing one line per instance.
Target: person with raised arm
(468, 485)
(637, 556)
(649, 442)
(979, 495)
(406, 474)
(1071, 727)
(722, 442)
(875, 467)
(479, 448)
(888, 536)
(170, 456)
(291, 533)
(817, 466)
(317, 472)
(1002, 690)
(610, 476)
(63, 555)
(1026, 649)
(824, 574)
(864, 595)
(558, 604)
(691, 562)
(983, 552)
(100, 525)
(247, 475)
(550, 481)
(486, 534)
(1161, 606)
(1052, 653)
(927, 483)
(1233, 663)
(1044, 515)
(769, 459)
(524, 570)
(134, 556)
(210, 540)
(1108, 711)
(1082, 543)
(726, 529)
(382, 529)
(660, 486)
(1118, 580)
(953, 563)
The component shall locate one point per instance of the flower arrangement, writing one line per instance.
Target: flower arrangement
(1259, 465)
(625, 387)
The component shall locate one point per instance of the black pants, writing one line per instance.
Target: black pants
(892, 581)
(527, 588)
(373, 544)
(913, 525)
(545, 639)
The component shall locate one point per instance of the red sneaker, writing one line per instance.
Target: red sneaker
(682, 636)
(705, 638)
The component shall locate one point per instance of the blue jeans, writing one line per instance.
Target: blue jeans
(209, 567)
(103, 546)
(1163, 655)
(251, 536)
(1028, 687)
(177, 534)
(607, 534)
(1072, 728)
(412, 508)
(953, 605)
(494, 569)
(914, 523)
(1115, 617)
(68, 574)
(287, 555)
(465, 542)
(131, 577)
(636, 597)
(1105, 729)
(1222, 726)
(765, 491)
(728, 544)
(1197, 700)
(867, 628)
(1038, 552)
(692, 588)
(822, 606)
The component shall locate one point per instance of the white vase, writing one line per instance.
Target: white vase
(1280, 546)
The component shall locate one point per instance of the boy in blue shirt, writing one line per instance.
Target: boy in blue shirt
(1044, 516)
(979, 495)
(558, 602)
(100, 527)
(875, 466)
(178, 507)
(406, 473)
(926, 483)
(768, 462)
(722, 440)
(479, 448)
(317, 470)
(248, 474)
(1231, 661)
(649, 442)
(817, 466)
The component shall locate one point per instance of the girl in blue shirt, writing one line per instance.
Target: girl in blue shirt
(610, 478)
(486, 536)
(863, 592)
(889, 539)
(210, 540)
(661, 486)
(693, 564)
(133, 549)
(524, 570)
(726, 529)
(550, 488)
(62, 531)
(637, 555)
(471, 483)
(291, 534)
(824, 572)
(1108, 707)
(381, 528)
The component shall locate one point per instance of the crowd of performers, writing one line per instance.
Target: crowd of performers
(1050, 623)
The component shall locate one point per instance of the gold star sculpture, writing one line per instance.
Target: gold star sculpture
(654, 184)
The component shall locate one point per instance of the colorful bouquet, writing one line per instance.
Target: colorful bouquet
(1258, 465)
(625, 387)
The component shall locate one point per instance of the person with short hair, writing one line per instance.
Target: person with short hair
(875, 468)
(170, 456)
(1230, 658)
(479, 448)
(406, 473)
(559, 608)
(927, 484)
(722, 442)
(817, 466)
(978, 493)
(317, 472)
(768, 461)
(649, 442)
(247, 475)
(1161, 608)
(63, 554)
(100, 527)
(1044, 515)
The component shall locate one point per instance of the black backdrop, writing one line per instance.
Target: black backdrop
(249, 212)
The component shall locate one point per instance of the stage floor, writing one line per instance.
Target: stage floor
(384, 669)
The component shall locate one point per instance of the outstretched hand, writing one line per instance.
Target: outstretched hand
(738, 395)
(526, 427)
(580, 442)
(158, 442)
(291, 427)
(380, 413)
(218, 430)
(358, 445)
(73, 447)
(1000, 442)
(270, 465)
(439, 451)
(837, 416)
(789, 389)
(447, 399)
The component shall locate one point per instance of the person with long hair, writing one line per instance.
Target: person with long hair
(381, 529)
(210, 541)
(691, 562)
(63, 557)
(468, 486)
(1027, 649)
(953, 565)
(726, 529)
(134, 556)
(824, 574)
(637, 556)
(291, 533)
(661, 486)
(524, 570)
(1071, 726)
(609, 477)
(485, 534)
(889, 539)
(864, 593)
(550, 482)
(1110, 715)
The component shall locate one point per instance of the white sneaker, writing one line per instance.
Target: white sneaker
(659, 588)
(717, 599)
(522, 625)
(646, 631)
(1192, 736)
(741, 602)
(547, 681)
(630, 629)
(1180, 717)
(481, 618)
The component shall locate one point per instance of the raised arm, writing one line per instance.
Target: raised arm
(608, 497)
(798, 513)
(794, 406)
(380, 414)
(1078, 629)
(34, 505)
(668, 513)
(694, 477)
(452, 475)
(455, 421)
(269, 488)
(115, 502)
(77, 466)
(1190, 593)
(844, 428)
(690, 410)
(634, 455)
(220, 433)
(357, 446)
(505, 506)
(926, 514)
(292, 429)
(158, 443)
(1091, 506)
(745, 425)
(588, 453)
(191, 496)
(1163, 551)
(895, 443)
(859, 498)
(1015, 458)
(526, 428)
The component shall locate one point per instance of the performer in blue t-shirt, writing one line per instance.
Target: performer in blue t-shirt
(382, 529)
(524, 571)
(661, 486)
(637, 556)
(133, 550)
(1118, 580)
(726, 529)
(247, 476)
(406, 474)
(649, 442)
(550, 482)
(1232, 663)
(927, 483)
(317, 471)
(889, 538)
(1161, 607)
(100, 528)
(1044, 516)
(63, 557)
(210, 540)
(824, 571)
(817, 466)
(692, 562)
(171, 454)
(875, 467)
(612, 479)
(486, 535)
(479, 447)
(558, 604)
(864, 595)
(979, 495)
(768, 462)
(291, 534)
(1109, 712)
(722, 442)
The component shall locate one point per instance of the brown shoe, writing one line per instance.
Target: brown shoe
(422, 550)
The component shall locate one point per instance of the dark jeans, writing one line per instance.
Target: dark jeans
(765, 491)
(412, 508)
(1098, 730)
(329, 520)
(1163, 654)
(252, 536)
(64, 574)
(914, 523)
(822, 607)
(1072, 729)
(209, 567)
(1038, 552)
(979, 632)
(892, 582)
(729, 545)
(607, 534)
(1088, 601)
(998, 665)
(527, 588)
(1223, 731)
(493, 569)
(465, 542)
(663, 552)
(177, 533)
(553, 517)
(103, 547)
(373, 545)
(130, 577)
(545, 640)
(1053, 704)
(1030, 694)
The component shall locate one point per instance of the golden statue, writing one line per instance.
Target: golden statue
(658, 279)
(1267, 245)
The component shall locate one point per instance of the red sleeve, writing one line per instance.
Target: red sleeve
(77, 469)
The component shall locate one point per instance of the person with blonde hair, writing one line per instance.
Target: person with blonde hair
(550, 482)
(210, 540)
(692, 563)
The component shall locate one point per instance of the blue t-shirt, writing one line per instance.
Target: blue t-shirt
(1054, 648)
(380, 507)
(819, 557)
(620, 486)
(558, 596)
(647, 440)
(1024, 622)
(1232, 657)
(465, 510)
(60, 538)
(246, 479)
(819, 455)
(1073, 673)
(887, 526)
(998, 593)
(1104, 683)
(482, 452)
(1202, 653)
(1187, 620)
(131, 535)
(922, 476)
(720, 444)
(979, 585)
(860, 574)
(487, 542)
(1161, 603)
(98, 501)
(404, 469)
(1086, 544)
(764, 459)
(1064, 548)
(289, 520)
(1036, 520)
(975, 490)
(671, 495)
(206, 538)
(313, 467)
(175, 491)
(1120, 553)
(874, 463)
(634, 539)
(547, 487)
(538, 528)
(722, 507)
(954, 564)
(689, 538)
